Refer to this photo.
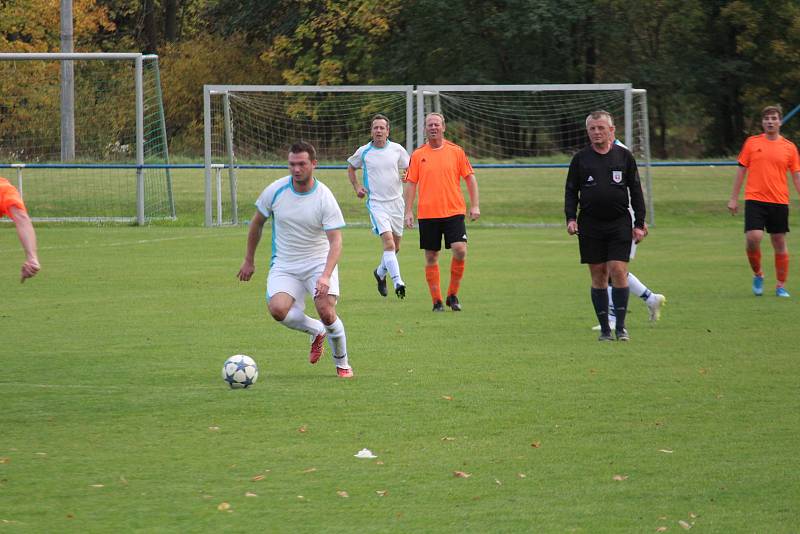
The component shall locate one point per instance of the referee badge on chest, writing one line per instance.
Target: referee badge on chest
(616, 176)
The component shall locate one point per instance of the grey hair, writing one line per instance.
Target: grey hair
(598, 115)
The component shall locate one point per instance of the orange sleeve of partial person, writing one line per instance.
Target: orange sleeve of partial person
(9, 198)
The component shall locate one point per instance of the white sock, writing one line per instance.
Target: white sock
(638, 288)
(393, 266)
(338, 342)
(297, 320)
(381, 270)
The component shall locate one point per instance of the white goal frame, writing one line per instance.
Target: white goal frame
(213, 170)
(138, 59)
(429, 93)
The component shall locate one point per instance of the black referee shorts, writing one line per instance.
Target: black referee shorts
(431, 231)
(760, 215)
(601, 241)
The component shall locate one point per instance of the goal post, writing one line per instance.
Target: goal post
(247, 128)
(119, 169)
(251, 127)
(531, 125)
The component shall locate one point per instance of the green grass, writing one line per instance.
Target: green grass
(114, 416)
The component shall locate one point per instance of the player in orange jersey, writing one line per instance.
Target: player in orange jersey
(764, 161)
(11, 205)
(436, 169)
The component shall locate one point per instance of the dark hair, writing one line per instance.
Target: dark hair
(381, 117)
(772, 109)
(303, 146)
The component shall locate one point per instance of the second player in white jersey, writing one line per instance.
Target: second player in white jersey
(381, 167)
(382, 163)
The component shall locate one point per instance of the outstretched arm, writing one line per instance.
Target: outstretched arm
(27, 237)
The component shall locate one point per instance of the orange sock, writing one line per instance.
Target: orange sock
(781, 267)
(456, 274)
(432, 276)
(754, 256)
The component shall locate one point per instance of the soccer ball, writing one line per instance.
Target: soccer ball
(240, 371)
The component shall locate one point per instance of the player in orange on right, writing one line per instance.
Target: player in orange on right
(11, 205)
(764, 160)
(436, 169)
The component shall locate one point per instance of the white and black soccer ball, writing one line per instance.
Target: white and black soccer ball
(240, 371)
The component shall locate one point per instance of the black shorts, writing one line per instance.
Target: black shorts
(601, 241)
(766, 215)
(431, 231)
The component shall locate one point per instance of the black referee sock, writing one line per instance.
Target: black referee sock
(600, 303)
(620, 297)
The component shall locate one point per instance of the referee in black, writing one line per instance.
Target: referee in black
(604, 181)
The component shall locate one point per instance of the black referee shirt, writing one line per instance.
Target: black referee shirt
(604, 185)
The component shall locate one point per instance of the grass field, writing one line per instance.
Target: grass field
(114, 416)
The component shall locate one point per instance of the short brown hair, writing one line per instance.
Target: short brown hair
(769, 110)
(303, 146)
(378, 116)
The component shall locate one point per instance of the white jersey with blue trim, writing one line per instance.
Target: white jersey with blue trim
(381, 169)
(299, 223)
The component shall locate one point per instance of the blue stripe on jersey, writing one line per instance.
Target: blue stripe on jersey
(274, 198)
(279, 191)
(274, 248)
(364, 166)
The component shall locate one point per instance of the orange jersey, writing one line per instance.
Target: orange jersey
(437, 173)
(9, 197)
(767, 162)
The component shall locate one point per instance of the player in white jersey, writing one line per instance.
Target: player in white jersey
(306, 245)
(381, 162)
(654, 301)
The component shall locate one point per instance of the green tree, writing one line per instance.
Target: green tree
(34, 25)
(478, 42)
(146, 25)
(766, 40)
(653, 44)
(206, 59)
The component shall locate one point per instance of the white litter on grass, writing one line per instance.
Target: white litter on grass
(365, 453)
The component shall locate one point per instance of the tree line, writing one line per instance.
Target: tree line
(708, 65)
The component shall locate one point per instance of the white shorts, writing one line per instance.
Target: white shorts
(300, 284)
(386, 216)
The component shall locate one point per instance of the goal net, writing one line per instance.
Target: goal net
(250, 128)
(537, 125)
(103, 161)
